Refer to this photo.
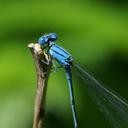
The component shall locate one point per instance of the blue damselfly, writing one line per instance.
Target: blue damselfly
(114, 108)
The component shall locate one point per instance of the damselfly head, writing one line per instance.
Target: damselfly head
(46, 39)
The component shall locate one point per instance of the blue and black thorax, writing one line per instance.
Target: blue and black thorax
(55, 51)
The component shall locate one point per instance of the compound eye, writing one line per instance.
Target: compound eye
(46, 39)
(42, 40)
(53, 36)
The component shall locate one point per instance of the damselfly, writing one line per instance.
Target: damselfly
(114, 108)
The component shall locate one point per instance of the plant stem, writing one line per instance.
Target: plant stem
(42, 71)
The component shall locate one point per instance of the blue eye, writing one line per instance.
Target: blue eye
(42, 40)
(45, 39)
(53, 36)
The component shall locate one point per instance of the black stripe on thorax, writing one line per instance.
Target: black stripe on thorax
(62, 49)
(58, 53)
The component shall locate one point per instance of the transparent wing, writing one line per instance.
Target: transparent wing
(114, 108)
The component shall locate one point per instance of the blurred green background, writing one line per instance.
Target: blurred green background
(96, 34)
